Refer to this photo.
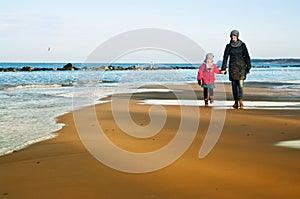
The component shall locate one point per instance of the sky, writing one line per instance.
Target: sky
(73, 29)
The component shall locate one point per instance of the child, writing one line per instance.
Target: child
(206, 77)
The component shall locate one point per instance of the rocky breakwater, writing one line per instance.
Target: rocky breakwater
(68, 66)
(137, 67)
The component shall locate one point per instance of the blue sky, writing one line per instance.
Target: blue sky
(73, 29)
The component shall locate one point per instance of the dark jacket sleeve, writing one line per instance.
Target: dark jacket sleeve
(225, 57)
(247, 57)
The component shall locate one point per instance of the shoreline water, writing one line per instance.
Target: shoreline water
(32, 100)
(287, 100)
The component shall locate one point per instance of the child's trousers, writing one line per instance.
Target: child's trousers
(208, 91)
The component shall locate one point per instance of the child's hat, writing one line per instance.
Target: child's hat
(209, 56)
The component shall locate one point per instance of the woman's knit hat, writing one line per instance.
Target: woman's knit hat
(235, 33)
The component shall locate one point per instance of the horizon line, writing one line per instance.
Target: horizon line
(142, 62)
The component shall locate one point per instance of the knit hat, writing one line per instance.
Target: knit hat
(209, 56)
(235, 33)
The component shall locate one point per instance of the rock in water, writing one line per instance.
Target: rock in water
(69, 66)
(27, 68)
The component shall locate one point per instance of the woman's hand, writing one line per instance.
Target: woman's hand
(247, 70)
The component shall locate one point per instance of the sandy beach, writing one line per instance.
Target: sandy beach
(245, 163)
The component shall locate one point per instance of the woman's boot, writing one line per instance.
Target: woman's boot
(236, 104)
(241, 103)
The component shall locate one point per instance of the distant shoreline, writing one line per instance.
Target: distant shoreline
(31, 67)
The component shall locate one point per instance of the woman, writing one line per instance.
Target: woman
(239, 66)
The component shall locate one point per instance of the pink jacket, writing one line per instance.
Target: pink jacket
(208, 76)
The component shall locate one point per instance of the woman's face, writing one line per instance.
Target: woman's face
(234, 38)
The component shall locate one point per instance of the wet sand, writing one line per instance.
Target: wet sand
(245, 163)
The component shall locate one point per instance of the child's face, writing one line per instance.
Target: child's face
(210, 61)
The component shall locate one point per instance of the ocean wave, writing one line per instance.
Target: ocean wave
(28, 86)
(17, 147)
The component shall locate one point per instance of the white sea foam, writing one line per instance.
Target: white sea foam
(295, 144)
(16, 147)
(33, 86)
(226, 104)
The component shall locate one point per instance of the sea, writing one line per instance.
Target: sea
(31, 101)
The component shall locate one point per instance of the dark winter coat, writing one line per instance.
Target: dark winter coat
(239, 61)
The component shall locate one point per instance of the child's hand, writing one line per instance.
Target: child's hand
(224, 72)
(199, 82)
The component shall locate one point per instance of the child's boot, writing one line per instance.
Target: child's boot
(211, 99)
(206, 101)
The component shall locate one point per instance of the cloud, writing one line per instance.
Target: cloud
(13, 22)
(10, 21)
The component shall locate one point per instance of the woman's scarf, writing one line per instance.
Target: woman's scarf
(238, 43)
